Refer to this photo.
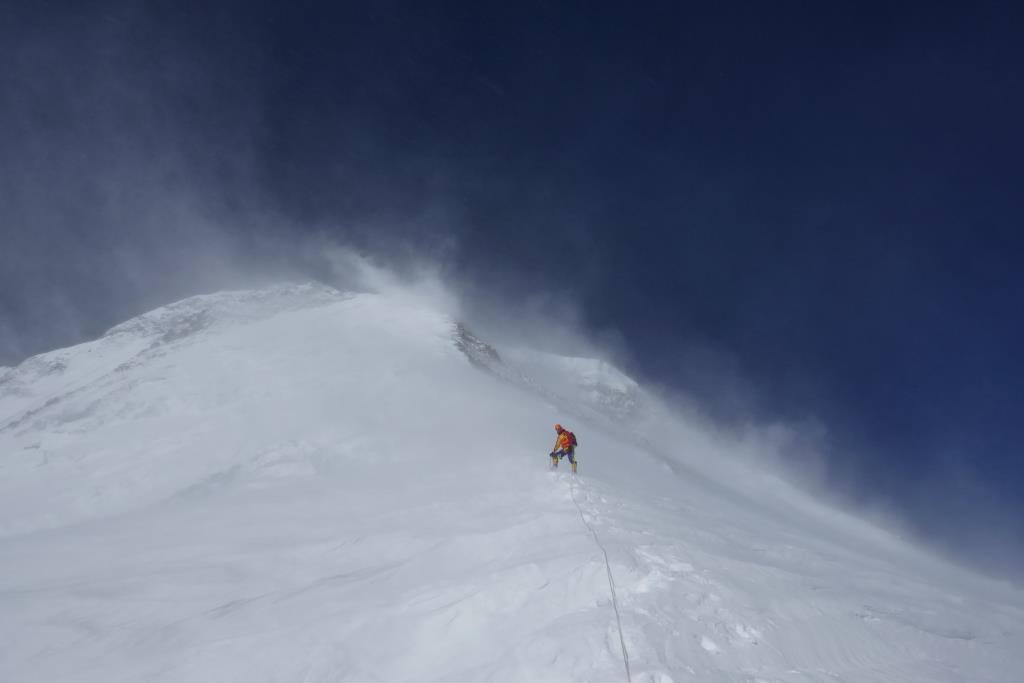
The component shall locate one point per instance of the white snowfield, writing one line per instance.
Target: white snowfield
(295, 484)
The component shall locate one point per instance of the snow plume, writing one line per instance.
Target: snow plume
(419, 283)
(133, 174)
(123, 188)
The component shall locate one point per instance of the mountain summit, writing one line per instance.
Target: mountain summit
(300, 484)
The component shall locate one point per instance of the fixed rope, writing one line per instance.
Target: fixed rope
(611, 580)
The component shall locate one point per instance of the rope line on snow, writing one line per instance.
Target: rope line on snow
(611, 580)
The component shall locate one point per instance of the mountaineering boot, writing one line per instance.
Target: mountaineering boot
(574, 467)
(554, 462)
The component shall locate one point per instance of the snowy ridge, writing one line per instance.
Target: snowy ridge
(189, 316)
(60, 373)
(300, 484)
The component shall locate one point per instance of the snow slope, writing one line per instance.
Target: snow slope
(296, 484)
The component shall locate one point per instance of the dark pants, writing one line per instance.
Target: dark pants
(571, 452)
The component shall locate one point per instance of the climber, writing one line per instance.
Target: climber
(565, 445)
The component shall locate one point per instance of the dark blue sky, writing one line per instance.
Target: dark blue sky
(789, 210)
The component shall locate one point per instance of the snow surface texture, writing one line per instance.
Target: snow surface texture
(296, 484)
